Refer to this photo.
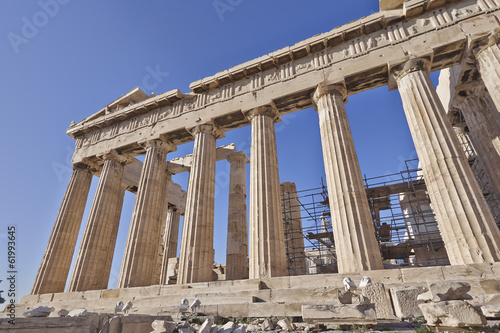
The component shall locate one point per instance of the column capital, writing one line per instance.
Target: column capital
(268, 110)
(410, 66)
(210, 128)
(479, 43)
(162, 144)
(115, 156)
(469, 92)
(88, 164)
(239, 157)
(83, 166)
(329, 88)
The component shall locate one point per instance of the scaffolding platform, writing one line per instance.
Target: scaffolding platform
(406, 228)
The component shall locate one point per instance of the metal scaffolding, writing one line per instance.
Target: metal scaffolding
(406, 228)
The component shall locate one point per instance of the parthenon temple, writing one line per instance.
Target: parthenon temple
(448, 211)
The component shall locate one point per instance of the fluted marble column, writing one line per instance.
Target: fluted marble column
(141, 250)
(237, 231)
(170, 240)
(158, 269)
(487, 52)
(465, 221)
(267, 239)
(483, 120)
(197, 253)
(56, 261)
(93, 263)
(353, 230)
(294, 238)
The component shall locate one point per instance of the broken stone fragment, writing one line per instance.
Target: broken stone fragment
(241, 328)
(425, 297)
(62, 313)
(227, 327)
(448, 291)
(163, 326)
(452, 314)
(206, 327)
(78, 313)
(286, 325)
(267, 325)
(252, 328)
(308, 327)
(491, 311)
(41, 311)
(345, 297)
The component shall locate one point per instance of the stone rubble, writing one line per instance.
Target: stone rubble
(206, 326)
(78, 313)
(240, 328)
(257, 325)
(445, 306)
(267, 325)
(62, 313)
(452, 314)
(163, 326)
(286, 325)
(491, 311)
(226, 328)
(41, 311)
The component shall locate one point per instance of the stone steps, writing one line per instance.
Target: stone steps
(281, 296)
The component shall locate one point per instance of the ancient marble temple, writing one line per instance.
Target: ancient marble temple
(398, 47)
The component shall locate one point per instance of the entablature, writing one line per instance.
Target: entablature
(359, 54)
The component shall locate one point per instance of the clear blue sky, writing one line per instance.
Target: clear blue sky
(65, 62)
